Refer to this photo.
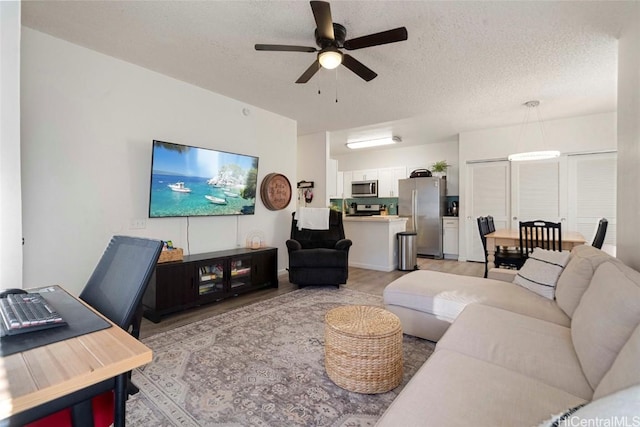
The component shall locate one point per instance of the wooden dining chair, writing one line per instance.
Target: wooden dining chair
(502, 258)
(540, 234)
(502, 251)
(601, 232)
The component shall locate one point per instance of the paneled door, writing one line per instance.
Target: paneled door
(489, 194)
(539, 191)
(592, 194)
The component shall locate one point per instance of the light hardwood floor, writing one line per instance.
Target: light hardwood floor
(369, 281)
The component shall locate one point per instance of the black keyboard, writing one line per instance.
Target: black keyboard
(26, 313)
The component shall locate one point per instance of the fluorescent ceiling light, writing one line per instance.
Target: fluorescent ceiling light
(373, 142)
(534, 155)
(330, 58)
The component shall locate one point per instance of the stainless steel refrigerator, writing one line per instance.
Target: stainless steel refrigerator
(423, 201)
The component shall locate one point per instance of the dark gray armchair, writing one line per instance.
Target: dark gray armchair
(319, 257)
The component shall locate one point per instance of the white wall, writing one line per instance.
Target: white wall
(313, 158)
(573, 135)
(10, 193)
(411, 157)
(628, 236)
(87, 125)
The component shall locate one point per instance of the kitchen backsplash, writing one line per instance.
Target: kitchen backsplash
(391, 202)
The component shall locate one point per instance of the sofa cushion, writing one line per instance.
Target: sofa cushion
(541, 271)
(533, 347)
(620, 408)
(445, 295)
(576, 276)
(625, 370)
(607, 315)
(453, 389)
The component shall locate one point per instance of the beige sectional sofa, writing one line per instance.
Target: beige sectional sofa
(507, 356)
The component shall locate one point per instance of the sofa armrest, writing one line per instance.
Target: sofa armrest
(293, 245)
(343, 244)
(502, 274)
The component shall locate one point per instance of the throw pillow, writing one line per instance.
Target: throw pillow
(540, 272)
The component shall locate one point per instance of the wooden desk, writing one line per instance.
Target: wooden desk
(504, 237)
(42, 374)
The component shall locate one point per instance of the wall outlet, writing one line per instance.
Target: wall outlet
(138, 224)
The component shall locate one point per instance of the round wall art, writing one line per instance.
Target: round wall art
(275, 191)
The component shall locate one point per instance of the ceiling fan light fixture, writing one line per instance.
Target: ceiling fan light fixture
(330, 58)
(373, 142)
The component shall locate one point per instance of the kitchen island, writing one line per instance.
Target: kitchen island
(375, 245)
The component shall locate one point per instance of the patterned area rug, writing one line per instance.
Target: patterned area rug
(260, 365)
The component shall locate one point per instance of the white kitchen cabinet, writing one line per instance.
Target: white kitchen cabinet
(332, 182)
(365, 175)
(347, 177)
(450, 237)
(388, 181)
(340, 185)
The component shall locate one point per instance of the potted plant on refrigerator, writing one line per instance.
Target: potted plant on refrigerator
(439, 168)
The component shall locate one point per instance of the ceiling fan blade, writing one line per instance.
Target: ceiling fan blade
(309, 73)
(285, 48)
(322, 15)
(358, 67)
(390, 36)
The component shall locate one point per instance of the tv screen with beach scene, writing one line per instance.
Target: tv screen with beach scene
(194, 181)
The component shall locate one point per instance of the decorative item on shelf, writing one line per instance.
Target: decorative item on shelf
(255, 240)
(532, 155)
(275, 191)
(439, 168)
(170, 254)
(305, 184)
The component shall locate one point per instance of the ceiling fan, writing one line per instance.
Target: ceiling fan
(330, 38)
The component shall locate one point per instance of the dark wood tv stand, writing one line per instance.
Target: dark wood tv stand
(209, 277)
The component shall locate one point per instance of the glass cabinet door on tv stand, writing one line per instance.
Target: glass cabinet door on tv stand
(211, 278)
(240, 273)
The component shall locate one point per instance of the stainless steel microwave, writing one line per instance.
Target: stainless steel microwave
(364, 188)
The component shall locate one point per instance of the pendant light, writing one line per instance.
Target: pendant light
(533, 155)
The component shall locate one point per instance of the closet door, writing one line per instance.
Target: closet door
(489, 189)
(592, 194)
(538, 191)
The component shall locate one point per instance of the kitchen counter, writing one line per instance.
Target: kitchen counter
(375, 245)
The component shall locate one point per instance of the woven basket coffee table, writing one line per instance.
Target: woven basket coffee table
(363, 348)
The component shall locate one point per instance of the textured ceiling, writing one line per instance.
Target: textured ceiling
(466, 65)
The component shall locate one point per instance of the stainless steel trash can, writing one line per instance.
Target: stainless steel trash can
(407, 251)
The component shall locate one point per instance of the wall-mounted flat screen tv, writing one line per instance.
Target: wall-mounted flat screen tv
(193, 181)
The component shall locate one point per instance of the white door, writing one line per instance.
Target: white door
(592, 194)
(538, 191)
(489, 191)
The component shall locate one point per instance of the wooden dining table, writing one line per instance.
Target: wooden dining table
(511, 237)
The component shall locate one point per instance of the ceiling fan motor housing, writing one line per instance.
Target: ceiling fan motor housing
(339, 35)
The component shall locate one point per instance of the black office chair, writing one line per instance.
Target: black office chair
(319, 257)
(601, 232)
(540, 234)
(115, 289)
